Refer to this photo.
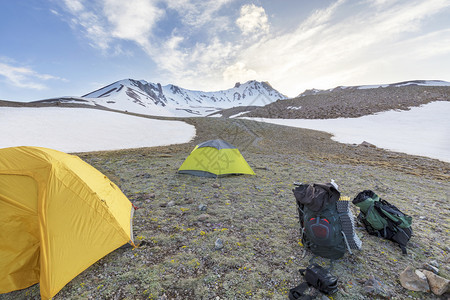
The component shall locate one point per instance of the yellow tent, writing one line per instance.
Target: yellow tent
(215, 158)
(58, 216)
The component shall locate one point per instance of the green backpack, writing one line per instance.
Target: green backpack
(383, 219)
(326, 223)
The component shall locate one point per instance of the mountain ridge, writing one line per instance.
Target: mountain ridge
(357, 101)
(257, 99)
(141, 96)
(314, 91)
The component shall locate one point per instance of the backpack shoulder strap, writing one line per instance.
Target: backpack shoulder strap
(380, 209)
(402, 237)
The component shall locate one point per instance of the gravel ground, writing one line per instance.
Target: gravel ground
(255, 217)
(352, 102)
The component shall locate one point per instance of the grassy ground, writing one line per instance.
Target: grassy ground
(256, 218)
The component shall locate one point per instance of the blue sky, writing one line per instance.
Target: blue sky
(71, 47)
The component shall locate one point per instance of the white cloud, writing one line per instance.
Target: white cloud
(334, 46)
(89, 21)
(56, 13)
(428, 45)
(133, 19)
(213, 56)
(169, 56)
(253, 20)
(238, 72)
(322, 16)
(75, 6)
(105, 22)
(24, 77)
(346, 42)
(198, 13)
(185, 67)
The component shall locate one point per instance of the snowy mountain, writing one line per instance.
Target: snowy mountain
(363, 87)
(143, 97)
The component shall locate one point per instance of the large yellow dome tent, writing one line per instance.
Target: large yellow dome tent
(215, 158)
(58, 216)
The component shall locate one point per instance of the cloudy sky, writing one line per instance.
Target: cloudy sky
(51, 48)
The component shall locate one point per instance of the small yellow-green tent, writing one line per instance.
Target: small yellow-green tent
(58, 216)
(215, 158)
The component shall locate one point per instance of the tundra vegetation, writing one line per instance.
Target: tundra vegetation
(237, 237)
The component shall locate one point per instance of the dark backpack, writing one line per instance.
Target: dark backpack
(326, 223)
(383, 219)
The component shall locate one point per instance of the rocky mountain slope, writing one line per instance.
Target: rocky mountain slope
(352, 102)
(364, 87)
(253, 99)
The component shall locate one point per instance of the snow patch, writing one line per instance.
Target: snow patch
(423, 130)
(366, 87)
(239, 114)
(83, 129)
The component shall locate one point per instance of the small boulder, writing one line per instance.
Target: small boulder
(216, 185)
(430, 267)
(171, 203)
(367, 144)
(203, 217)
(202, 207)
(434, 263)
(374, 287)
(414, 280)
(218, 244)
(439, 285)
(163, 297)
(258, 188)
